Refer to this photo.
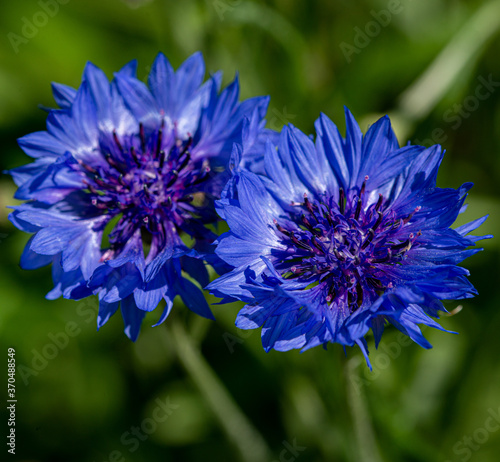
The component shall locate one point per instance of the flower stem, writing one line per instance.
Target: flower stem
(365, 437)
(240, 431)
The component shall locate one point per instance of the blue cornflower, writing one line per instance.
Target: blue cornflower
(340, 236)
(121, 173)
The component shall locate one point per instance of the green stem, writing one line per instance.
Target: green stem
(365, 436)
(240, 431)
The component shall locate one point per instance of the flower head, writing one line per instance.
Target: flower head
(340, 236)
(121, 173)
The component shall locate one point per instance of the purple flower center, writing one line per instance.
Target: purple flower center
(149, 182)
(344, 245)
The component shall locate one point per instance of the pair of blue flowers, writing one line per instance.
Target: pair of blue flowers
(328, 237)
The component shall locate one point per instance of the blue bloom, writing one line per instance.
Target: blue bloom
(341, 236)
(123, 171)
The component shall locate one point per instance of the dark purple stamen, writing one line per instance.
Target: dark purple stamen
(338, 255)
(383, 259)
(307, 224)
(203, 177)
(281, 229)
(308, 204)
(346, 246)
(378, 221)
(187, 158)
(363, 186)
(134, 155)
(189, 198)
(369, 238)
(117, 141)
(299, 243)
(401, 246)
(358, 209)
(158, 143)
(341, 200)
(173, 178)
(142, 137)
(317, 244)
(150, 188)
(86, 167)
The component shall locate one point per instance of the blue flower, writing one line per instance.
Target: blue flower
(122, 172)
(341, 236)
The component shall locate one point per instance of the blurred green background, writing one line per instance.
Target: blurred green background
(421, 62)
